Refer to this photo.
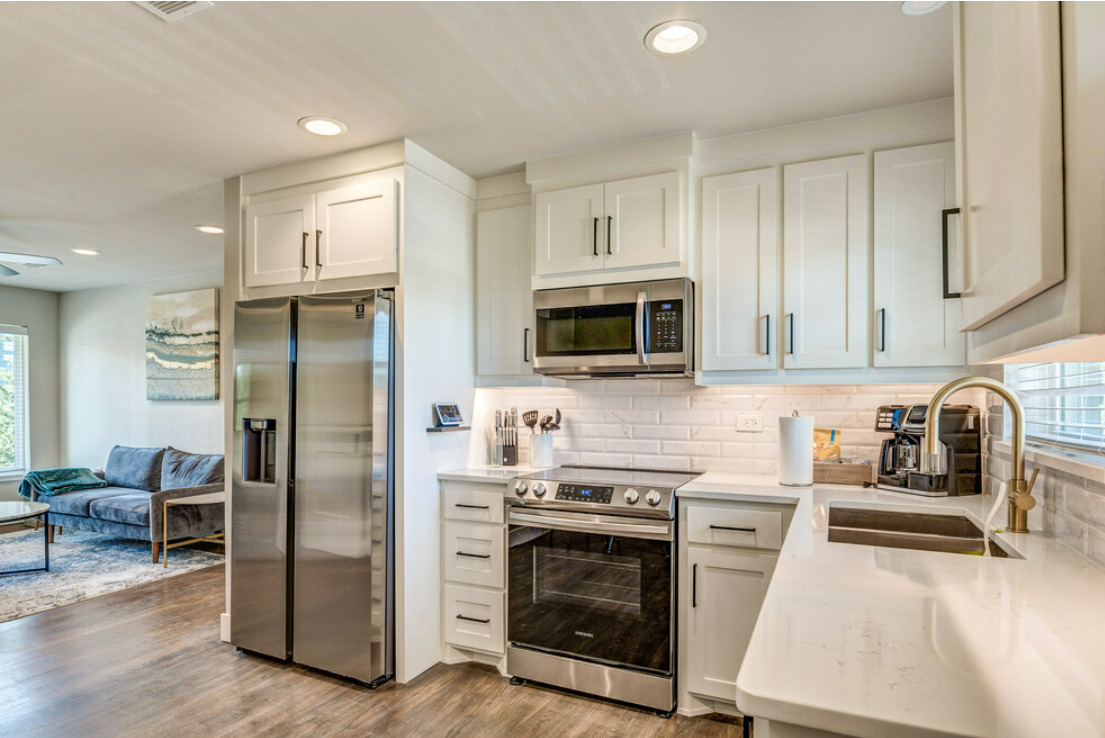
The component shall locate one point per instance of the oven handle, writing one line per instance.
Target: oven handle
(598, 524)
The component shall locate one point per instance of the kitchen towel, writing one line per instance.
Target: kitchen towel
(795, 461)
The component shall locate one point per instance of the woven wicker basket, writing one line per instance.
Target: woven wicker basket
(850, 473)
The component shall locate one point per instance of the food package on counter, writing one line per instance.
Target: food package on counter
(826, 444)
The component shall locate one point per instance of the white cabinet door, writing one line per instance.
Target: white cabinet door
(643, 222)
(1010, 113)
(357, 232)
(740, 270)
(727, 590)
(504, 302)
(825, 277)
(279, 244)
(914, 324)
(569, 236)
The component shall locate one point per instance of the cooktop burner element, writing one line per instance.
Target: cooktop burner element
(630, 492)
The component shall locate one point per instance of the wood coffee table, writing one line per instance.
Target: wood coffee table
(13, 512)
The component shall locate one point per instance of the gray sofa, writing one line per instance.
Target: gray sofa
(139, 481)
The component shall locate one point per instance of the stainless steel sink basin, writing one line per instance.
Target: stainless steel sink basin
(918, 531)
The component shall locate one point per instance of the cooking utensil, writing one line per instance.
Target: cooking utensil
(545, 423)
(556, 420)
(529, 417)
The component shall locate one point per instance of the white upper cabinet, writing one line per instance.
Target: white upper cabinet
(914, 324)
(276, 243)
(356, 230)
(1009, 113)
(740, 270)
(346, 228)
(825, 264)
(625, 224)
(504, 302)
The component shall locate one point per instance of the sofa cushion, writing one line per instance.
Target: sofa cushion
(77, 503)
(182, 469)
(132, 509)
(134, 468)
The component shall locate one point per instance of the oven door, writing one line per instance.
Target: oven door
(594, 587)
(591, 329)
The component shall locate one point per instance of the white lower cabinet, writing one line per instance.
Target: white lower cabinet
(474, 618)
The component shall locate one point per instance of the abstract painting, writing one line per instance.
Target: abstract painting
(182, 346)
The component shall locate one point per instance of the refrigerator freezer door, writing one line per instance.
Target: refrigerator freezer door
(340, 550)
(259, 487)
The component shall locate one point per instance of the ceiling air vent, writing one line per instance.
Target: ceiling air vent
(174, 11)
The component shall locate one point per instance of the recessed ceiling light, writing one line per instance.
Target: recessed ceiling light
(214, 230)
(322, 126)
(675, 37)
(922, 7)
(85, 252)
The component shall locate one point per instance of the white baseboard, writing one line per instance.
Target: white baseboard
(224, 627)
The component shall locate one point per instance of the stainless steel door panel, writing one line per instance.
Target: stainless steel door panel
(259, 525)
(340, 531)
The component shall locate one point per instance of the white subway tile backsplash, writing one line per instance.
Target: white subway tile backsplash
(606, 402)
(663, 432)
(690, 417)
(668, 463)
(692, 448)
(662, 402)
(587, 458)
(618, 445)
(633, 416)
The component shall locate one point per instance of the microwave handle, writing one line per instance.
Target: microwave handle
(642, 329)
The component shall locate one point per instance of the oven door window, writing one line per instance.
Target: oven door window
(587, 331)
(603, 598)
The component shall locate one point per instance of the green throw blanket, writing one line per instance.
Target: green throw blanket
(58, 481)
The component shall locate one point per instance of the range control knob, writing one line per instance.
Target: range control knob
(520, 488)
(653, 497)
(631, 496)
(539, 489)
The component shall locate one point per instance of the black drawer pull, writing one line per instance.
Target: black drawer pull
(474, 556)
(694, 585)
(729, 527)
(484, 621)
(473, 507)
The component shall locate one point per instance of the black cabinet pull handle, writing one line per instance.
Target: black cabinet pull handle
(767, 335)
(595, 238)
(882, 329)
(473, 556)
(305, 235)
(609, 222)
(945, 214)
(318, 259)
(485, 621)
(474, 507)
(694, 585)
(525, 345)
(790, 318)
(729, 527)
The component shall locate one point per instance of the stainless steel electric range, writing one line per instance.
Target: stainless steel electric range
(591, 575)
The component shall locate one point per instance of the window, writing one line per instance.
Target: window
(1064, 402)
(13, 399)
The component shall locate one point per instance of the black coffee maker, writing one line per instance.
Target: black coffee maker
(960, 442)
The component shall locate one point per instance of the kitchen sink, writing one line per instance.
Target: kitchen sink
(917, 531)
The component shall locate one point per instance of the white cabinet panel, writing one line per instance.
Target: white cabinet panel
(825, 263)
(1010, 113)
(474, 553)
(569, 237)
(740, 270)
(504, 300)
(473, 503)
(914, 324)
(356, 231)
(727, 591)
(474, 618)
(643, 221)
(279, 245)
(735, 526)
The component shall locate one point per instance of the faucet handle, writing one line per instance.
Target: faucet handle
(1022, 501)
(1031, 482)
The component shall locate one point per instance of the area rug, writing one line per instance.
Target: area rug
(82, 565)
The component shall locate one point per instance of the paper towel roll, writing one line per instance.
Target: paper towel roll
(795, 460)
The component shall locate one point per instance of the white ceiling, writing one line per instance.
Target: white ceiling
(117, 128)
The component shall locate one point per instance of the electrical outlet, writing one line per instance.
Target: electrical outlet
(750, 423)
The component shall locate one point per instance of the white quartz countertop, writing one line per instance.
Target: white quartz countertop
(486, 473)
(870, 641)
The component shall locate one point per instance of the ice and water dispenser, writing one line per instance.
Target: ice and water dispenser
(259, 450)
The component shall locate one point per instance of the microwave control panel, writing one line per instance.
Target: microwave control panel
(665, 327)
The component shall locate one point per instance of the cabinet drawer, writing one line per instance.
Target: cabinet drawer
(735, 526)
(473, 502)
(473, 553)
(474, 618)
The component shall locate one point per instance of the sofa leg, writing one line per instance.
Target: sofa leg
(156, 551)
(50, 533)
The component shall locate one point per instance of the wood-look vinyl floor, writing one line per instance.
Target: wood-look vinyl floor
(148, 661)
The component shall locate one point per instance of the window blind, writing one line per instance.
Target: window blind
(14, 435)
(1064, 402)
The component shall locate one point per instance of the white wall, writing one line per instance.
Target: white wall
(103, 369)
(38, 311)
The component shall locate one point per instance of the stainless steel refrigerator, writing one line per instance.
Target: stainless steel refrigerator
(311, 576)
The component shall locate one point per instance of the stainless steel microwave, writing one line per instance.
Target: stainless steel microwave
(635, 329)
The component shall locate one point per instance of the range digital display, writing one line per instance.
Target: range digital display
(585, 493)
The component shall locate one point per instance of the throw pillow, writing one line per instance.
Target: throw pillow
(134, 468)
(182, 469)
